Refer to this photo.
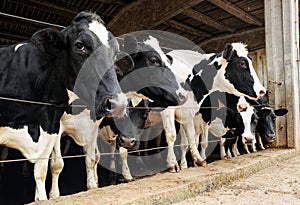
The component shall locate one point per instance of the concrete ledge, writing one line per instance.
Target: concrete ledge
(167, 188)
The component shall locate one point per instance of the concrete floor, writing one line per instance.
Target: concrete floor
(169, 188)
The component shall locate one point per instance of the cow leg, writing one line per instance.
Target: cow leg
(36, 152)
(246, 148)
(91, 160)
(253, 146)
(234, 148)
(168, 119)
(125, 168)
(222, 148)
(56, 165)
(204, 140)
(260, 143)
(184, 148)
(191, 136)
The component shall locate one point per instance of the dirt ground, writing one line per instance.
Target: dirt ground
(279, 184)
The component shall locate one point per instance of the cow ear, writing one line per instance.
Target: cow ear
(280, 112)
(264, 112)
(227, 53)
(170, 59)
(130, 44)
(49, 40)
(124, 62)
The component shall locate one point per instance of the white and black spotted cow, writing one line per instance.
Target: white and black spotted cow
(41, 69)
(151, 78)
(265, 130)
(84, 131)
(229, 71)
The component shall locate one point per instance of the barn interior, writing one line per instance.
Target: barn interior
(269, 28)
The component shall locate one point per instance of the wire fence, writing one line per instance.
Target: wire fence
(107, 153)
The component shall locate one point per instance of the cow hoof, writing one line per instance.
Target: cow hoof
(174, 169)
(126, 180)
(201, 163)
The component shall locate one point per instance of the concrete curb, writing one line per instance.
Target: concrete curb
(170, 188)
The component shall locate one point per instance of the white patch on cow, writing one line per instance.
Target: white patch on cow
(100, 30)
(240, 48)
(19, 45)
(154, 43)
(72, 96)
(247, 116)
(242, 51)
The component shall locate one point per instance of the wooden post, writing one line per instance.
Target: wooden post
(282, 52)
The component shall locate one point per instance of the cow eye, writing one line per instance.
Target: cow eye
(80, 46)
(154, 61)
(243, 65)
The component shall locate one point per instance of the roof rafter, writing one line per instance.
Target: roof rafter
(144, 14)
(191, 13)
(236, 11)
(187, 28)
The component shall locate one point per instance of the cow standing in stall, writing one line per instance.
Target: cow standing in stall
(38, 72)
(230, 71)
(127, 129)
(164, 90)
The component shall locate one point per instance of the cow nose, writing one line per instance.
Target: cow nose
(182, 98)
(271, 137)
(127, 142)
(248, 140)
(262, 93)
(107, 103)
(242, 107)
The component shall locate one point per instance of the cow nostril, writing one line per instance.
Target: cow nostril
(242, 108)
(262, 93)
(133, 141)
(107, 103)
(181, 96)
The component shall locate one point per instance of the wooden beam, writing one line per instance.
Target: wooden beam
(237, 12)
(47, 6)
(207, 20)
(146, 14)
(254, 38)
(187, 28)
(12, 37)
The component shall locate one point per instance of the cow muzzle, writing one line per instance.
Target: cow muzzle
(130, 143)
(248, 139)
(271, 138)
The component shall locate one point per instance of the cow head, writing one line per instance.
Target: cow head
(266, 121)
(88, 65)
(250, 120)
(239, 77)
(150, 75)
(128, 129)
(230, 71)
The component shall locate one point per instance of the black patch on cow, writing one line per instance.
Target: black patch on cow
(201, 84)
(237, 72)
(159, 82)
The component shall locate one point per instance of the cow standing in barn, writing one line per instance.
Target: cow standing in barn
(142, 61)
(35, 76)
(228, 71)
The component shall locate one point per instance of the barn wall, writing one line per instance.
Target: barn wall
(259, 59)
(282, 52)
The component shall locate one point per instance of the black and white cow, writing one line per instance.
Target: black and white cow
(230, 71)
(41, 69)
(151, 78)
(265, 130)
(84, 131)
